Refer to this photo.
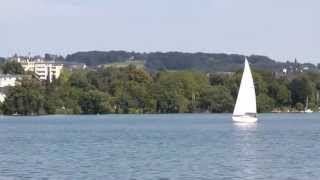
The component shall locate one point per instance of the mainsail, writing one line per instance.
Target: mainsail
(246, 101)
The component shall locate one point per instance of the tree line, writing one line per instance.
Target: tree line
(204, 62)
(133, 90)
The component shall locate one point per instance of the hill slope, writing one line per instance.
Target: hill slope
(206, 62)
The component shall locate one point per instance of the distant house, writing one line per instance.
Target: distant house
(308, 67)
(285, 71)
(7, 80)
(74, 65)
(225, 73)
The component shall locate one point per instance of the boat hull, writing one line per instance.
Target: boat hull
(244, 119)
(308, 111)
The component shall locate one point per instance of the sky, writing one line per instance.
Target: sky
(280, 29)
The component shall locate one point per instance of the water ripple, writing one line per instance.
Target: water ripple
(159, 147)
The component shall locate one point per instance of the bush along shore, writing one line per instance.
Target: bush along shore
(134, 90)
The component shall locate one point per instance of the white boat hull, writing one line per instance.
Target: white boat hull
(245, 119)
(308, 111)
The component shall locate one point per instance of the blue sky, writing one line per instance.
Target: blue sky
(281, 29)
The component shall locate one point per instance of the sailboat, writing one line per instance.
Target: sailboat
(306, 109)
(246, 108)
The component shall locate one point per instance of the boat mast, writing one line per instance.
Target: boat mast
(307, 102)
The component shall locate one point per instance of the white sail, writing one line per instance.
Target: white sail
(246, 100)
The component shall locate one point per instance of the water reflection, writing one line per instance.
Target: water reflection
(245, 126)
(246, 150)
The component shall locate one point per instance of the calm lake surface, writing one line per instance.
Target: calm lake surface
(160, 147)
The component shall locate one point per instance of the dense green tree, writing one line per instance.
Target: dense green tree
(70, 97)
(265, 103)
(139, 75)
(283, 95)
(133, 90)
(65, 75)
(26, 99)
(79, 79)
(299, 106)
(95, 102)
(155, 61)
(301, 88)
(217, 99)
(133, 97)
(12, 67)
(170, 101)
(279, 92)
(260, 84)
(179, 87)
(51, 104)
(217, 79)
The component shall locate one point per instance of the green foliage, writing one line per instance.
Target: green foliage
(260, 83)
(79, 79)
(279, 92)
(94, 102)
(283, 95)
(301, 88)
(179, 91)
(12, 67)
(205, 62)
(216, 99)
(26, 99)
(65, 75)
(299, 106)
(134, 90)
(265, 103)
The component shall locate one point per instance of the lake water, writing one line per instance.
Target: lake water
(160, 147)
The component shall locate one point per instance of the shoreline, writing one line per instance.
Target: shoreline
(144, 114)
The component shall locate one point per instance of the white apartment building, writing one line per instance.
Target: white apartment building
(46, 70)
